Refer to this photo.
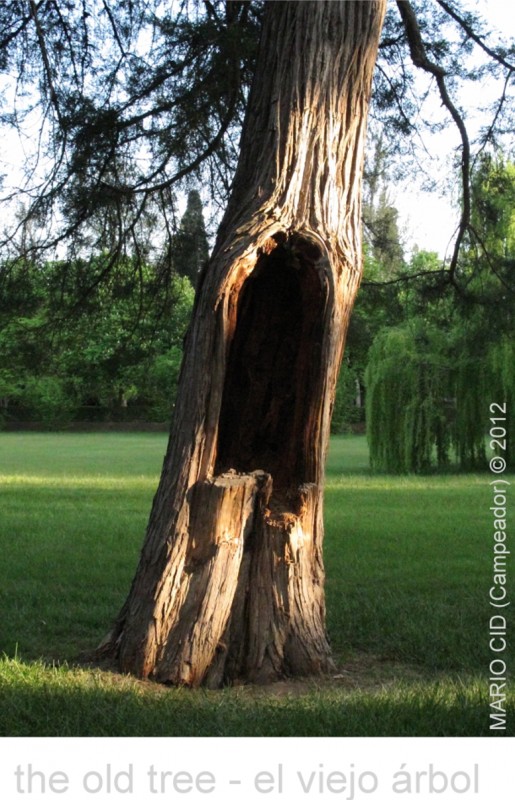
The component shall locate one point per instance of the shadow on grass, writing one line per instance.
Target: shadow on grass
(39, 700)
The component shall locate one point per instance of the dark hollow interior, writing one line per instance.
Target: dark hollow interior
(272, 383)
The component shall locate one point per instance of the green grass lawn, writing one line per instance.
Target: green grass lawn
(409, 566)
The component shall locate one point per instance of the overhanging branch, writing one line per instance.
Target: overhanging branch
(46, 62)
(420, 60)
(404, 278)
(474, 36)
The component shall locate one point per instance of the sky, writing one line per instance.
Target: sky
(429, 219)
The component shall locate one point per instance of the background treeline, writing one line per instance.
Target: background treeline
(115, 358)
(98, 339)
(83, 341)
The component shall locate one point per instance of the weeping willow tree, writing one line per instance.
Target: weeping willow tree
(407, 386)
(471, 398)
(428, 398)
(502, 371)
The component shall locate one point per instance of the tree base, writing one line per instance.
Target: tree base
(243, 601)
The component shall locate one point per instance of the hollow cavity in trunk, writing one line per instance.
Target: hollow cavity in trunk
(273, 367)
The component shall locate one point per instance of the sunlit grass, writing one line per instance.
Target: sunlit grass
(408, 564)
(100, 483)
(64, 701)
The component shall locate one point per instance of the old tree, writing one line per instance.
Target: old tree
(230, 582)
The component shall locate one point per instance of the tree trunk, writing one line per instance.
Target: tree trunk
(230, 583)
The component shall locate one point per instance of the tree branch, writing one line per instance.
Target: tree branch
(420, 60)
(209, 150)
(211, 10)
(391, 42)
(408, 277)
(493, 269)
(10, 36)
(489, 134)
(416, 45)
(46, 62)
(65, 29)
(114, 28)
(474, 36)
(396, 97)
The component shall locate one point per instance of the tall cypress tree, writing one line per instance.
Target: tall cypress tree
(190, 248)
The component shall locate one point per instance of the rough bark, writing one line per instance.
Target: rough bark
(230, 583)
